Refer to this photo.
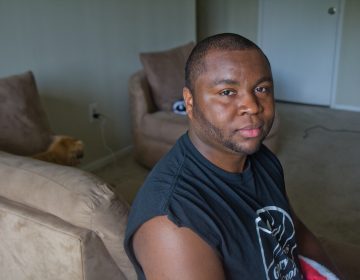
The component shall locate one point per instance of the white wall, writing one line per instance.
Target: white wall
(241, 16)
(83, 51)
(348, 93)
(237, 16)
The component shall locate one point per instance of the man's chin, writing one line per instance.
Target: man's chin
(251, 150)
(245, 148)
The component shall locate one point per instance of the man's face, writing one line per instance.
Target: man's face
(232, 106)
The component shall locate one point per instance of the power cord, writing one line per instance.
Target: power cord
(103, 118)
(307, 131)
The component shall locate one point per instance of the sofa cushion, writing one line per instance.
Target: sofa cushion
(23, 123)
(165, 73)
(70, 194)
(164, 126)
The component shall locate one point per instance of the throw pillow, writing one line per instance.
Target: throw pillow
(165, 73)
(23, 123)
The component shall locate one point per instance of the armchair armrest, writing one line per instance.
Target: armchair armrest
(141, 102)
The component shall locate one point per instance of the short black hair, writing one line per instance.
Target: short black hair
(224, 41)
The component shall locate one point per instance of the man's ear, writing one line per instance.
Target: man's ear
(188, 98)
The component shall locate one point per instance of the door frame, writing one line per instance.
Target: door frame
(338, 36)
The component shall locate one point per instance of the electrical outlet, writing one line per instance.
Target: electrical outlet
(93, 111)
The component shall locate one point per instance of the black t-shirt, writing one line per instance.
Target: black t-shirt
(244, 216)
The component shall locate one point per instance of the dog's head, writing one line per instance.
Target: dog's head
(67, 150)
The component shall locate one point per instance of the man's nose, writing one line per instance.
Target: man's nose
(248, 104)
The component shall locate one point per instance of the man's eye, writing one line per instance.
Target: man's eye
(227, 92)
(263, 90)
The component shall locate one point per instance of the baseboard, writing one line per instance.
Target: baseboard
(99, 163)
(346, 107)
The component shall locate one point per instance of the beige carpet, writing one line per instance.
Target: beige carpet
(322, 170)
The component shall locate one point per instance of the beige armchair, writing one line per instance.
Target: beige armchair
(154, 131)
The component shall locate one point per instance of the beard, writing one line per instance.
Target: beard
(212, 133)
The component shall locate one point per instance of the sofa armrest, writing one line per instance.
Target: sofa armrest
(75, 196)
(38, 245)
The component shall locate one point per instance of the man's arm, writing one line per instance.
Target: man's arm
(309, 245)
(166, 251)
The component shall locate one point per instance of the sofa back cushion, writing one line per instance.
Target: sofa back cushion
(165, 71)
(23, 124)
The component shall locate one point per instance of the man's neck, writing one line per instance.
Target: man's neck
(226, 160)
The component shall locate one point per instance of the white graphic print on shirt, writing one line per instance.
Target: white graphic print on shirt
(276, 235)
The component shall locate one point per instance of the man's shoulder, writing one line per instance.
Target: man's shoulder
(159, 184)
(165, 171)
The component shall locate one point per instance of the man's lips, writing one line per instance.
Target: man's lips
(250, 131)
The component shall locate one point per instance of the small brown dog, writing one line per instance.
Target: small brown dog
(63, 150)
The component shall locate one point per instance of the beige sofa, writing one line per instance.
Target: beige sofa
(59, 222)
(56, 222)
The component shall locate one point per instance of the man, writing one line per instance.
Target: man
(215, 206)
